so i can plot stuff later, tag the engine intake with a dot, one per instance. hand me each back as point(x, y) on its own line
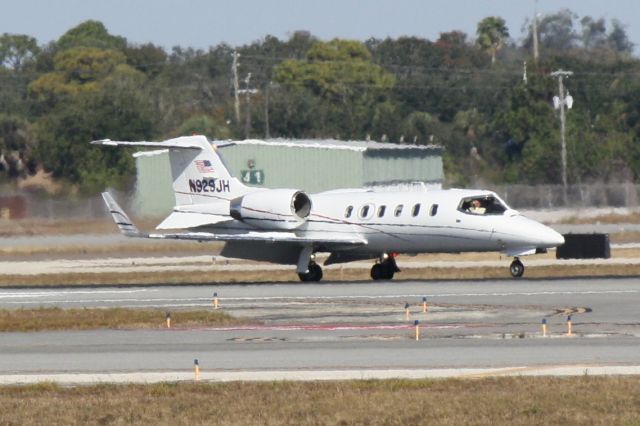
point(282, 209)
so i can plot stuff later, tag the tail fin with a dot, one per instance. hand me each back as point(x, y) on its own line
point(198, 172)
point(120, 217)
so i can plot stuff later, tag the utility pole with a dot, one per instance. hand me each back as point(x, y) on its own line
point(234, 69)
point(535, 32)
point(266, 110)
point(247, 92)
point(559, 102)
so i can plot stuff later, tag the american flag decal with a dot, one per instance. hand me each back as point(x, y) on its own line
point(204, 166)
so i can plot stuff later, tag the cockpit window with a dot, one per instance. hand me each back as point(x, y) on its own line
point(485, 205)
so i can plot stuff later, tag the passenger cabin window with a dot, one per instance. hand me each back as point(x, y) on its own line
point(398, 211)
point(433, 210)
point(366, 211)
point(416, 210)
point(381, 210)
point(486, 205)
point(348, 211)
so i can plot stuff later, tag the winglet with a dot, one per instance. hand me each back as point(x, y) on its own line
point(120, 217)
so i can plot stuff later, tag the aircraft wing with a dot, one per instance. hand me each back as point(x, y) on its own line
point(182, 220)
point(272, 237)
point(130, 230)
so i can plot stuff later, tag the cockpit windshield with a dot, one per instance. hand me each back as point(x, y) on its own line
point(482, 205)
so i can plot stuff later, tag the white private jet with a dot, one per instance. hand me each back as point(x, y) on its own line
point(288, 226)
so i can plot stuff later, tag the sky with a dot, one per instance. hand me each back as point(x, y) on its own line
point(204, 23)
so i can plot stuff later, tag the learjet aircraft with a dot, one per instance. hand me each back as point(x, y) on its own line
point(289, 226)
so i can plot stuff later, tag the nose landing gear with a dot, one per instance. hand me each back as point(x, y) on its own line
point(385, 268)
point(516, 268)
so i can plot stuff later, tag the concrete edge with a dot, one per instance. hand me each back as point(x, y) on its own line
point(315, 375)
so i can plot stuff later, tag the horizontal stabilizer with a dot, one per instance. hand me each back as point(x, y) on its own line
point(179, 143)
point(120, 217)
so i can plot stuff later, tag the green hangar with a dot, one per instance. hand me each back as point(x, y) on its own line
point(309, 165)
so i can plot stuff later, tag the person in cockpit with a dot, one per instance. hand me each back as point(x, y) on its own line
point(476, 207)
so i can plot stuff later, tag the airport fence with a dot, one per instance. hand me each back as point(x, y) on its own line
point(25, 205)
point(21, 205)
point(584, 195)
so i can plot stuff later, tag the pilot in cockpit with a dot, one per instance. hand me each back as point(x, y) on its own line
point(476, 207)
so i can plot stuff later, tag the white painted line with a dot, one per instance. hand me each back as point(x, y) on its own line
point(207, 263)
point(49, 293)
point(284, 300)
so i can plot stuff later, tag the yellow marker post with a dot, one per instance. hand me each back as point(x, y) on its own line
point(569, 326)
point(168, 319)
point(417, 324)
point(424, 305)
point(407, 314)
point(196, 368)
point(216, 305)
point(544, 327)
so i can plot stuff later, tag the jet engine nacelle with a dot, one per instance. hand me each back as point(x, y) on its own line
point(282, 209)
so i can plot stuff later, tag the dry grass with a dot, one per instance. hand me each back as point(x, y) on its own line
point(116, 318)
point(625, 237)
point(38, 227)
point(605, 218)
point(134, 248)
point(513, 401)
point(289, 275)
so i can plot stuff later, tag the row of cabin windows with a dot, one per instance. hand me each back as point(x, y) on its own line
point(366, 211)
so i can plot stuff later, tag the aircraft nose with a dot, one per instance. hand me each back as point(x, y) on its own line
point(551, 238)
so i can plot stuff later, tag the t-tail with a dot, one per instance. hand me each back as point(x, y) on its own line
point(198, 172)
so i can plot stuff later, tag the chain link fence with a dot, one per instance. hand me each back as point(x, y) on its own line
point(552, 196)
point(21, 205)
point(17, 205)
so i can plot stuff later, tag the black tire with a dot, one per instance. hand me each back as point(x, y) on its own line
point(377, 272)
point(382, 271)
point(516, 269)
point(316, 271)
point(387, 271)
point(314, 274)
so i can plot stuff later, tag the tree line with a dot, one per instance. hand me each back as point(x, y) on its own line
point(485, 98)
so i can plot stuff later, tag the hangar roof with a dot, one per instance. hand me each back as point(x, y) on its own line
point(336, 144)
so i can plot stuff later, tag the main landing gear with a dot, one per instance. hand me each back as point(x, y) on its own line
point(385, 268)
point(314, 273)
point(516, 268)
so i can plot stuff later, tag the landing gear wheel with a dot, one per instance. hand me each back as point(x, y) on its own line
point(376, 272)
point(384, 270)
point(314, 274)
point(516, 268)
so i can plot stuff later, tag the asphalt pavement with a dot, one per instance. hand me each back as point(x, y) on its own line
point(353, 328)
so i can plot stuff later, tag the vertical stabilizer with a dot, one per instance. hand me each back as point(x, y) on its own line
point(198, 172)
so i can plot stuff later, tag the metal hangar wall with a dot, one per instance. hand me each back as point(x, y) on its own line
point(309, 165)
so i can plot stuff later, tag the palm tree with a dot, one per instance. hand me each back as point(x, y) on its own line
point(492, 31)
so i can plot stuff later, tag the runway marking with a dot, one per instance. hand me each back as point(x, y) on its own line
point(319, 374)
point(320, 327)
point(45, 293)
point(284, 299)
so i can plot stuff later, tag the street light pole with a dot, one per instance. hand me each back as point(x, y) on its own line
point(559, 102)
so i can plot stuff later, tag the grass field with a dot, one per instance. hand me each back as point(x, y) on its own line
point(41, 319)
point(513, 401)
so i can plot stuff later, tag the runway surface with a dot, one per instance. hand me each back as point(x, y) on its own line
point(320, 330)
